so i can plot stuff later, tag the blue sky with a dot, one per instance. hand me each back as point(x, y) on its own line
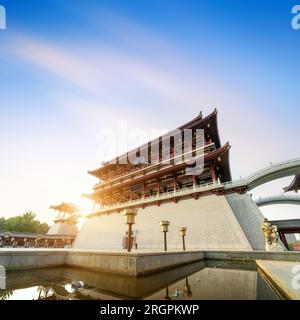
point(71, 68)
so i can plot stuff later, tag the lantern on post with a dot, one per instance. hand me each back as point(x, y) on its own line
point(164, 227)
point(130, 214)
point(182, 232)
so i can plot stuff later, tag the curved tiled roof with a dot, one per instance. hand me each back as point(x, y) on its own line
point(295, 185)
point(197, 123)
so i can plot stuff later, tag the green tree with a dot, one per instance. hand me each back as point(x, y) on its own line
point(5, 294)
point(25, 223)
point(2, 223)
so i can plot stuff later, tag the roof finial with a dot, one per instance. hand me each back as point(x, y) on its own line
point(201, 114)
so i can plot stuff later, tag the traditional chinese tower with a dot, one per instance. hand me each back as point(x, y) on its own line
point(120, 183)
point(164, 191)
point(63, 226)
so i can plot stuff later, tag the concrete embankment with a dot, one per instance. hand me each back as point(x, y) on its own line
point(252, 255)
point(133, 264)
point(22, 259)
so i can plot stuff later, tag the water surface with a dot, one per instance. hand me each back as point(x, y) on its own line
point(203, 280)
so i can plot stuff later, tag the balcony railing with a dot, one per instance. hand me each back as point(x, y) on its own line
point(158, 197)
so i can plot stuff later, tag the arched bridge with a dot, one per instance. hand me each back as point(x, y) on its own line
point(280, 199)
point(273, 172)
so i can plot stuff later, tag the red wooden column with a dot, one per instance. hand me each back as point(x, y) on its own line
point(194, 180)
point(208, 141)
point(175, 183)
point(213, 173)
point(144, 190)
point(283, 239)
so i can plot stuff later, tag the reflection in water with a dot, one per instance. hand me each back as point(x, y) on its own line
point(214, 283)
point(187, 288)
point(167, 297)
point(198, 281)
point(63, 291)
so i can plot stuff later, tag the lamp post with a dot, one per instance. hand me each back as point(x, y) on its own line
point(130, 220)
point(164, 225)
point(182, 232)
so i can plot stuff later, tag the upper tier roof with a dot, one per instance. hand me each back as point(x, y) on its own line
point(197, 123)
point(295, 185)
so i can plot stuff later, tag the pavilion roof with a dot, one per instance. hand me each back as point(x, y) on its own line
point(295, 184)
point(65, 207)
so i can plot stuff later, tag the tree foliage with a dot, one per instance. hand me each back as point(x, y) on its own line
point(25, 223)
point(5, 294)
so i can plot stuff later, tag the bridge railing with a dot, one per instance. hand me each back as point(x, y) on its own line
point(284, 199)
point(263, 171)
